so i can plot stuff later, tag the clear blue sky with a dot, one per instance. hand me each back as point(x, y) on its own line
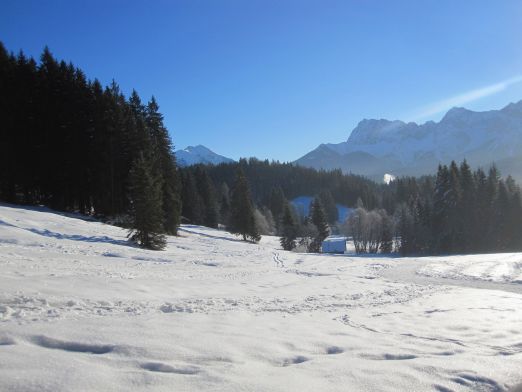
point(274, 78)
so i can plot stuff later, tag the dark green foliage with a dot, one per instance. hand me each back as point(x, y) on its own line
point(193, 208)
point(242, 220)
point(69, 143)
point(267, 177)
point(199, 197)
point(318, 219)
point(455, 211)
point(224, 205)
point(277, 202)
point(469, 212)
point(165, 164)
point(328, 203)
point(207, 194)
point(288, 229)
point(146, 206)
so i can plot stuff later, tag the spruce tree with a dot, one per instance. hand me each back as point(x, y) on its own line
point(193, 209)
point(288, 229)
point(207, 193)
point(405, 229)
point(441, 229)
point(224, 207)
point(330, 209)
point(146, 206)
point(165, 164)
point(453, 202)
point(467, 208)
point(277, 202)
point(319, 220)
point(242, 220)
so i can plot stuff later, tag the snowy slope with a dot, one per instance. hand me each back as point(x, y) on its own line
point(81, 310)
point(199, 154)
point(381, 146)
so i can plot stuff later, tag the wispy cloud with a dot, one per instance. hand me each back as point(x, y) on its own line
point(461, 99)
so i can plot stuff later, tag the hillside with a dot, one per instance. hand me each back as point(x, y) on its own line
point(81, 310)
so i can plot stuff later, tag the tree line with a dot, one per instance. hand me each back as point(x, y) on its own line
point(457, 211)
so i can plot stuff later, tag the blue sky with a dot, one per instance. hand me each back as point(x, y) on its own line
point(273, 79)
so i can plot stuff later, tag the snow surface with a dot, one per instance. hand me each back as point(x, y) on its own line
point(504, 268)
point(81, 310)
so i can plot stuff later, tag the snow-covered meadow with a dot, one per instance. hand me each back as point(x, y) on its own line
point(81, 310)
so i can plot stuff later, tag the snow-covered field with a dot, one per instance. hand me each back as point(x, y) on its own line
point(492, 268)
point(81, 310)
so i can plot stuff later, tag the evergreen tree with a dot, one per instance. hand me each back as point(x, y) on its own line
point(242, 220)
point(224, 208)
point(453, 200)
point(405, 230)
point(328, 204)
point(277, 202)
point(288, 229)
point(193, 209)
point(441, 228)
point(467, 208)
point(165, 164)
point(146, 210)
point(207, 194)
point(318, 219)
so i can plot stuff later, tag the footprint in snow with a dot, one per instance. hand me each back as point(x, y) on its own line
point(6, 341)
point(295, 360)
point(334, 350)
point(388, 357)
point(77, 347)
point(164, 368)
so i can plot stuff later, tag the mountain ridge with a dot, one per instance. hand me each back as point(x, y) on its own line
point(379, 146)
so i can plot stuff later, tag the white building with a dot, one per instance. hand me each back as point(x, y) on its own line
point(334, 244)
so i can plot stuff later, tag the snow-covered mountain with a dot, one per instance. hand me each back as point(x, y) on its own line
point(199, 154)
point(376, 147)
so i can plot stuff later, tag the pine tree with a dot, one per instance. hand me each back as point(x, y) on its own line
point(288, 229)
point(330, 209)
point(277, 202)
point(453, 201)
point(207, 193)
point(193, 209)
point(242, 220)
point(502, 211)
point(146, 210)
point(224, 208)
point(467, 208)
point(318, 218)
point(441, 233)
point(406, 230)
point(165, 164)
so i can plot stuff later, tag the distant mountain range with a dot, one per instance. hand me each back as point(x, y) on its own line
point(199, 154)
point(379, 147)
